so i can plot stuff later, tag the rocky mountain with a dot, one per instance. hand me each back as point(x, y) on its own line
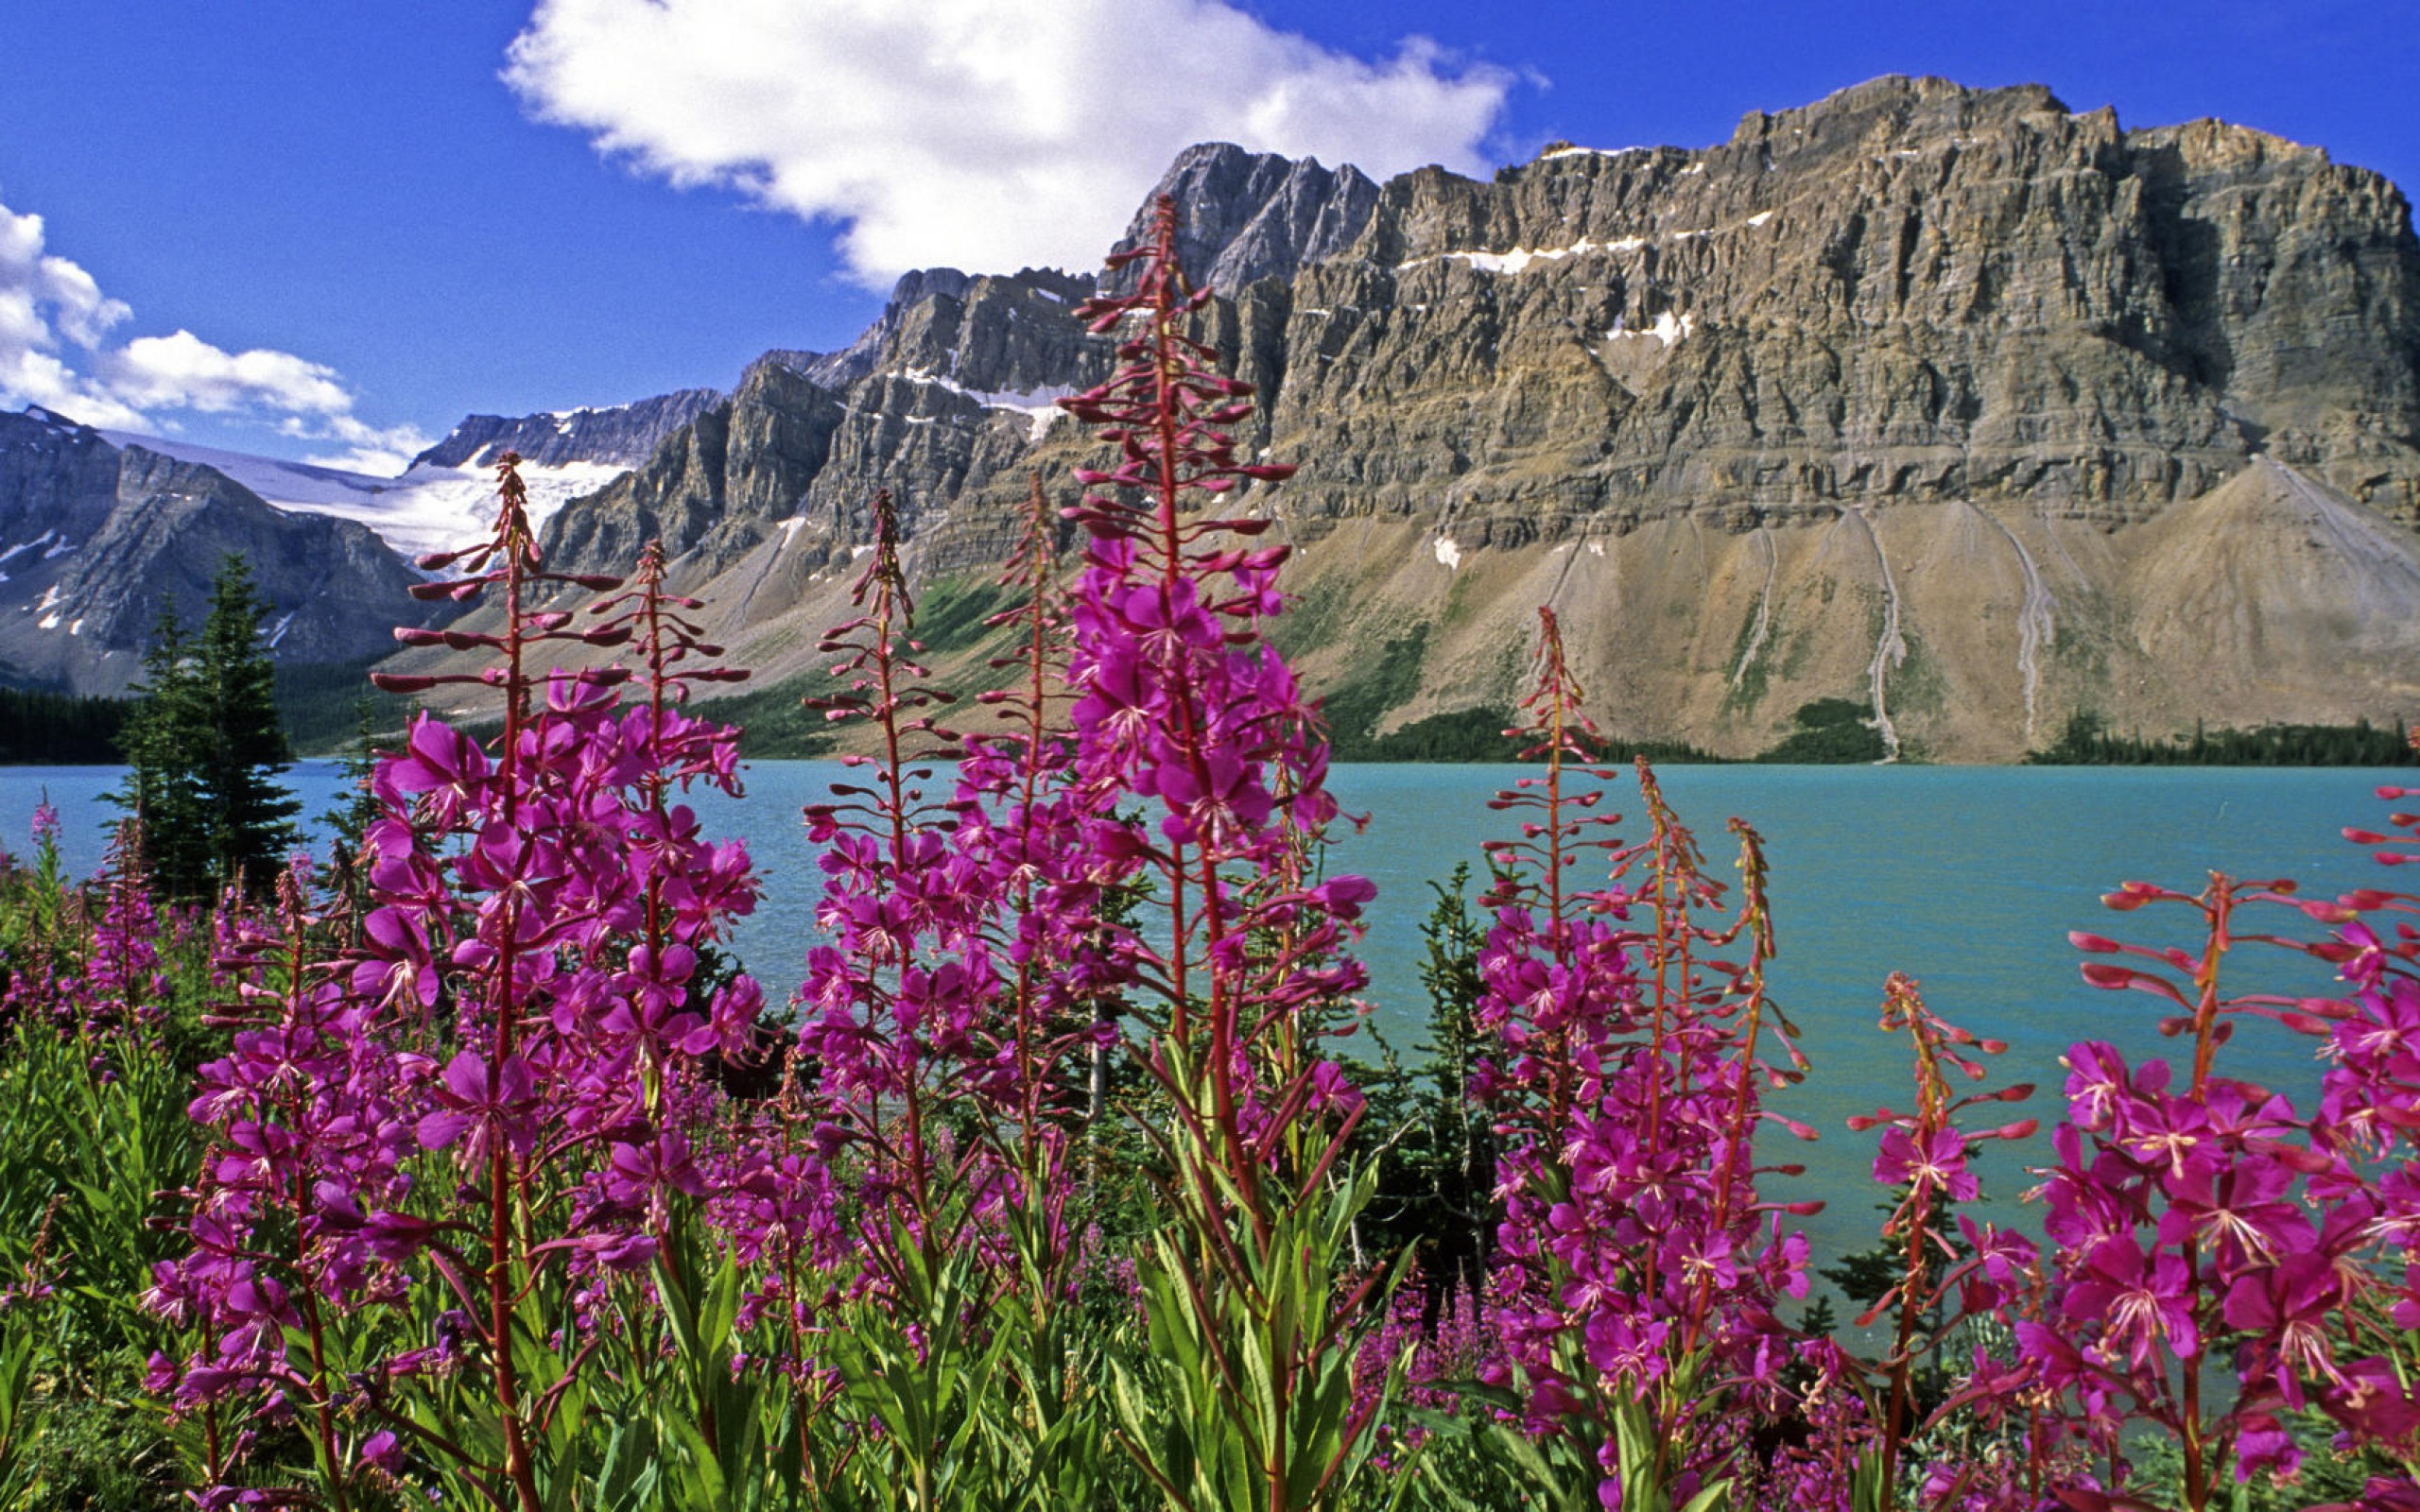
point(94, 536)
point(1956, 402)
point(447, 495)
point(621, 435)
point(1245, 216)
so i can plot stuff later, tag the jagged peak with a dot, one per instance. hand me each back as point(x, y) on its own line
point(52, 421)
point(620, 433)
point(1245, 215)
point(910, 308)
point(1921, 103)
point(919, 284)
point(2212, 143)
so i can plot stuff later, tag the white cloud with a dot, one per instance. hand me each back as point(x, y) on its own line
point(368, 448)
point(79, 311)
point(183, 372)
point(985, 134)
point(42, 298)
point(54, 327)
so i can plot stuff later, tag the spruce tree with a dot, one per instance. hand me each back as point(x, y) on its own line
point(205, 748)
point(158, 740)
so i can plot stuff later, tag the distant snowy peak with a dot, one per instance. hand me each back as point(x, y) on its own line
point(622, 435)
point(94, 535)
point(431, 507)
point(443, 509)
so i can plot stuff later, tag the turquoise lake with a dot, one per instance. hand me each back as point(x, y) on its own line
point(1966, 878)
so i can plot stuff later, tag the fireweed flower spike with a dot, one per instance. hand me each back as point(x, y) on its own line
point(1923, 1154)
point(900, 1016)
point(1638, 1263)
point(479, 1114)
point(2195, 1212)
point(1182, 706)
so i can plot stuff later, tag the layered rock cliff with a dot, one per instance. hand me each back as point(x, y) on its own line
point(94, 538)
point(1952, 401)
point(620, 435)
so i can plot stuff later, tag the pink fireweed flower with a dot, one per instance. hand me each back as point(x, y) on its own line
point(2140, 1300)
point(1934, 1161)
point(2286, 1308)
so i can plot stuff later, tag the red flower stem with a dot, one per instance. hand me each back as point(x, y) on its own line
point(301, 1193)
point(1036, 730)
point(1758, 926)
point(2198, 1451)
point(1558, 1063)
point(504, 1184)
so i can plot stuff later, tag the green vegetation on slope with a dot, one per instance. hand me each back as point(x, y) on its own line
point(320, 704)
point(1354, 709)
point(775, 723)
point(1828, 732)
point(950, 614)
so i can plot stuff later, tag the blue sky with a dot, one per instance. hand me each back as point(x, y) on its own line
point(329, 229)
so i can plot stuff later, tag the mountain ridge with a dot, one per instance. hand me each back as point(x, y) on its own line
point(1887, 396)
point(95, 536)
point(1921, 395)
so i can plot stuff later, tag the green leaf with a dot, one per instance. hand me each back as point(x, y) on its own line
point(1714, 1498)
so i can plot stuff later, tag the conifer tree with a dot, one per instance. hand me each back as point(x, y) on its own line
point(205, 748)
point(157, 739)
point(249, 812)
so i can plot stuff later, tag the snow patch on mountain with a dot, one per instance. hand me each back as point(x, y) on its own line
point(1040, 406)
point(428, 509)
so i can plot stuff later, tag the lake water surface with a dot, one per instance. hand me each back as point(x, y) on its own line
point(1966, 878)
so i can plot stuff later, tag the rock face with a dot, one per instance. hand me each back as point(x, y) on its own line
point(94, 537)
point(1928, 396)
point(943, 400)
point(624, 435)
point(1244, 216)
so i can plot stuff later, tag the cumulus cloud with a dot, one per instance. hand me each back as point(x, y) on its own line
point(54, 351)
point(183, 372)
point(984, 134)
point(46, 301)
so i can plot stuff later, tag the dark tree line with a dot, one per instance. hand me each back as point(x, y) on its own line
point(2088, 741)
point(59, 728)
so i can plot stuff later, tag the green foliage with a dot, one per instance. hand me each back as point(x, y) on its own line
point(1461, 735)
point(98, 1444)
point(920, 1366)
point(2088, 741)
point(1436, 1152)
point(2328, 1475)
point(1830, 732)
point(950, 615)
point(59, 729)
point(20, 1424)
point(321, 703)
point(353, 815)
point(1245, 1402)
point(95, 1133)
point(705, 1424)
point(161, 788)
point(1052, 1422)
point(204, 747)
point(1355, 707)
point(773, 724)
